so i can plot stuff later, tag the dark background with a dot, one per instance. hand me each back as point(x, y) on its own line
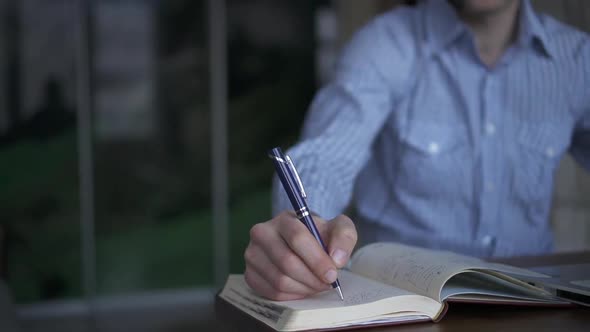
point(151, 134)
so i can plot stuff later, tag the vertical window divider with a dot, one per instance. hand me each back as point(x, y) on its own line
point(219, 136)
point(82, 12)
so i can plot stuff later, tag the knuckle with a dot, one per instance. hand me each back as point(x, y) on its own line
point(345, 219)
point(345, 228)
point(281, 283)
point(349, 234)
point(322, 265)
point(249, 278)
point(319, 221)
point(299, 240)
point(257, 232)
point(282, 220)
point(318, 285)
point(276, 295)
point(287, 260)
point(249, 255)
point(286, 215)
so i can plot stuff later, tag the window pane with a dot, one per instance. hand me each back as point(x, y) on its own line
point(39, 214)
point(272, 81)
point(152, 145)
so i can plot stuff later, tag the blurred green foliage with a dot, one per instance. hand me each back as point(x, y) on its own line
point(45, 258)
point(152, 196)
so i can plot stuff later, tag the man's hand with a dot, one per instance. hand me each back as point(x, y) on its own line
point(285, 262)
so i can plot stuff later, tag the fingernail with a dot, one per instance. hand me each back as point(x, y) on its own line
point(330, 276)
point(339, 256)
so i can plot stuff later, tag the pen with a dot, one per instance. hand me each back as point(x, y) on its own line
point(294, 188)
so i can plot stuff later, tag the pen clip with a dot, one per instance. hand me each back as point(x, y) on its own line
point(296, 175)
point(277, 158)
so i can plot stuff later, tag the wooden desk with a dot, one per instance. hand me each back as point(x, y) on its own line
point(465, 317)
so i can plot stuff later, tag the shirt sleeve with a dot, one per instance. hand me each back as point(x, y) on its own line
point(346, 116)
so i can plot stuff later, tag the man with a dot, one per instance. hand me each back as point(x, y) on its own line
point(443, 127)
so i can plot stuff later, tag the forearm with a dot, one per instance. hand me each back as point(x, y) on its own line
point(373, 74)
point(336, 144)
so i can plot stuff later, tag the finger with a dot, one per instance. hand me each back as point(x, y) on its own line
point(342, 238)
point(304, 245)
point(257, 259)
point(264, 289)
point(281, 256)
point(320, 223)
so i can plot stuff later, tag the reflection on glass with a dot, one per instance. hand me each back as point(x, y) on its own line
point(152, 146)
point(39, 213)
point(152, 137)
point(272, 81)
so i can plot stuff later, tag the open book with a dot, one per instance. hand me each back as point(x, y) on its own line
point(389, 283)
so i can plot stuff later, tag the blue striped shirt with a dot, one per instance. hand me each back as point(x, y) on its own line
point(432, 147)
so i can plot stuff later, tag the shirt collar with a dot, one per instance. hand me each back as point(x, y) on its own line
point(532, 32)
point(443, 26)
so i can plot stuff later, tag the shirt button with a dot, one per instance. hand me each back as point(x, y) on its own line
point(550, 152)
point(488, 240)
point(490, 129)
point(433, 147)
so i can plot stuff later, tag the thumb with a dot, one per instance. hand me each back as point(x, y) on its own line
point(342, 238)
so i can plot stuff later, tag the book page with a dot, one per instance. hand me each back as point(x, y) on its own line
point(366, 302)
point(419, 270)
point(356, 290)
point(486, 285)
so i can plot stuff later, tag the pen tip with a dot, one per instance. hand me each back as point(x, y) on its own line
point(340, 293)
